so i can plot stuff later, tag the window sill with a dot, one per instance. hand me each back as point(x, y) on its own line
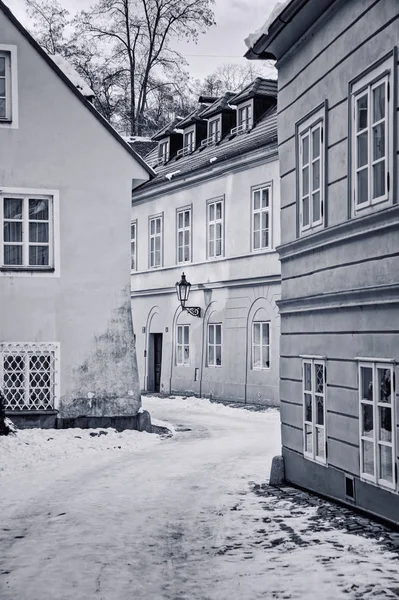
point(10, 269)
point(361, 211)
point(261, 369)
point(322, 463)
point(213, 366)
point(380, 486)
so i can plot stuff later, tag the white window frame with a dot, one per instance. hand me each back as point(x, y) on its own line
point(374, 365)
point(153, 236)
point(305, 131)
point(183, 360)
point(189, 145)
point(163, 152)
point(261, 346)
point(215, 129)
point(53, 268)
point(246, 111)
point(212, 226)
point(261, 211)
point(27, 350)
point(313, 425)
point(181, 232)
point(133, 245)
point(214, 345)
point(10, 121)
point(363, 86)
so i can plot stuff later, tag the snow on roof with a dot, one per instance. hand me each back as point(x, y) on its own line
point(72, 75)
point(252, 38)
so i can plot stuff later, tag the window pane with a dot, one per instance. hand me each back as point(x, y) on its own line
point(180, 238)
point(180, 254)
point(265, 198)
point(2, 66)
point(305, 181)
point(211, 212)
point(308, 439)
point(211, 334)
point(13, 255)
point(180, 218)
point(186, 335)
point(320, 446)
point(362, 149)
point(218, 350)
point(384, 385)
point(257, 333)
point(379, 141)
point(367, 420)
point(265, 220)
point(187, 218)
point(218, 210)
point(362, 106)
point(379, 179)
point(366, 382)
point(2, 107)
point(211, 356)
point(158, 226)
point(157, 243)
point(179, 335)
point(256, 221)
point(133, 232)
point(307, 374)
point(218, 334)
point(265, 334)
point(319, 378)
point(379, 103)
point(265, 239)
point(316, 175)
point(38, 255)
point(385, 418)
point(265, 357)
point(256, 200)
point(256, 357)
point(152, 227)
point(256, 240)
point(305, 211)
point(308, 407)
point(186, 354)
point(218, 247)
point(305, 150)
point(319, 410)
point(13, 231)
point(157, 258)
point(368, 457)
point(385, 460)
point(362, 186)
point(38, 210)
point(132, 254)
point(38, 232)
point(218, 231)
point(316, 206)
point(187, 237)
point(211, 248)
point(2, 87)
point(186, 253)
point(179, 355)
point(316, 143)
point(12, 208)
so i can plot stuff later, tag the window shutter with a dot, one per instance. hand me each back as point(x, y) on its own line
point(388, 91)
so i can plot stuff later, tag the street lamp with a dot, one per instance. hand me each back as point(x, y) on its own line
point(183, 291)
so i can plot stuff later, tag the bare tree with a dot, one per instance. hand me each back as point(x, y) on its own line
point(50, 21)
point(138, 35)
point(234, 77)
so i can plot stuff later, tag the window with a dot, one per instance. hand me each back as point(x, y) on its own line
point(28, 372)
point(261, 219)
point(189, 141)
point(372, 127)
point(184, 236)
point(133, 246)
point(214, 345)
point(214, 129)
point(260, 345)
point(377, 419)
point(26, 232)
point(156, 241)
point(245, 117)
point(215, 229)
point(311, 172)
point(163, 152)
point(183, 345)
point(314, 409)
point(8, 86)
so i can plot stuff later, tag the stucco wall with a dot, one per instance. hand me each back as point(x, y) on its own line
point(61, 146)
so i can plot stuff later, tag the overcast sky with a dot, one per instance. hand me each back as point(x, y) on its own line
point(222, 44)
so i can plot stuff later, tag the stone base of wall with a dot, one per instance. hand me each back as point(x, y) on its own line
point(50, 420)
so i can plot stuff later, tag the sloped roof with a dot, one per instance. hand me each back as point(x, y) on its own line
point(73, 75)
point(168, 129)
point(73, 87)
point(221, 103)
point(263, 134)
point(194, 116)
point(258, 87)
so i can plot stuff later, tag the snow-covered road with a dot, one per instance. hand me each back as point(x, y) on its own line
point(175, 520)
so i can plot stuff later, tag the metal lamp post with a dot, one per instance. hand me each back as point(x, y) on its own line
point(183, 291)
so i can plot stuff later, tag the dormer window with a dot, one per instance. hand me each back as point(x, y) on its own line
point(163, 152)
point(189, 141)
point(214, 130)
point(245, 117)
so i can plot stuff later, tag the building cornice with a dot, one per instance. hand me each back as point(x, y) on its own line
point(358, 297)
point(251, 159)
point(344, 233)
point(232, 283)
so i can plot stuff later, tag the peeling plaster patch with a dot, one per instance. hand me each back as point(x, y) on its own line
point(107, 383)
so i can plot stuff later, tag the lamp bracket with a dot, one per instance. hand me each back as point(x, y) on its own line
point(194, 311)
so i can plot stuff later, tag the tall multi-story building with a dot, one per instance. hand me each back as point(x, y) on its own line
point(212, 212)
point(338, 149)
